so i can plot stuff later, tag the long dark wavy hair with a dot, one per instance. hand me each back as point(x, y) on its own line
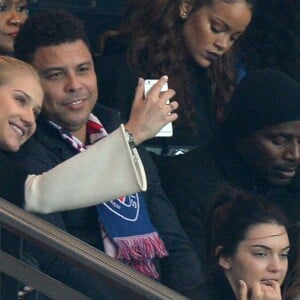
point(156, 47)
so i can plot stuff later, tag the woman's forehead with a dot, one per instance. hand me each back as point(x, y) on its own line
point(265, 231)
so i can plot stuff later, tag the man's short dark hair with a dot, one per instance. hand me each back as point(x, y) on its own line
point(48, 28)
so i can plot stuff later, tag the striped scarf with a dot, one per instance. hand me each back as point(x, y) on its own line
point(126, 229)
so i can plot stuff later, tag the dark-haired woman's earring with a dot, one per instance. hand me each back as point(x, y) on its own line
point(184, 15)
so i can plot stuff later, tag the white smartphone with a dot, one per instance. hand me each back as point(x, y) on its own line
point(167, 130)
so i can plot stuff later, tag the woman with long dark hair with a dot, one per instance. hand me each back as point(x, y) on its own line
point(190, 41)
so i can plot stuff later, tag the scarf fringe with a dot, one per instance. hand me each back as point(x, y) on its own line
point(140, 248)
point(138, 252)
point(146, 267)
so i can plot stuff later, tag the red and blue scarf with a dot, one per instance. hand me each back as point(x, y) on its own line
point(124, 222)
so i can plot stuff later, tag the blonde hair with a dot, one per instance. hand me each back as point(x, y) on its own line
point(10, 67)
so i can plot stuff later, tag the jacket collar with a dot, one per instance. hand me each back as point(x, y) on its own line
point(53, 140)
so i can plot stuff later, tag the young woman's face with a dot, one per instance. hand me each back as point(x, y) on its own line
point(21, 101)
point(261, 257)
point(210, 31)
point(13, 14)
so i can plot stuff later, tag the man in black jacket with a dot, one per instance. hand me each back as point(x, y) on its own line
point(256, 149)
point(56, 45)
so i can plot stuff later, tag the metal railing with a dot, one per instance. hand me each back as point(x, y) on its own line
point(111, 271)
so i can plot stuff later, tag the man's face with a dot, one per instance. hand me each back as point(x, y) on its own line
point(69, 82)
point(274, 152)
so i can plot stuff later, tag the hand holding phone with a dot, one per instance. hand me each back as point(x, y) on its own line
point(167, 130)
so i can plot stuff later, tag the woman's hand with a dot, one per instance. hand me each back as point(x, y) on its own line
point(148, 115)
point(260, 291)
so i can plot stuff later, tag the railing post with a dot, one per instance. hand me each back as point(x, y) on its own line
point(10, 243)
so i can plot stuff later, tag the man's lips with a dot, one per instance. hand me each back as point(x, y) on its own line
point(287, 172)
point(75, 102)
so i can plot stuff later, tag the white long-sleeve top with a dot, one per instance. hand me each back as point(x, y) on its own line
point(106, 170)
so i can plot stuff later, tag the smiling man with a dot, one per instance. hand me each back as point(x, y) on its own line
point(141, 230)
point(70, 84)
point(256, 149)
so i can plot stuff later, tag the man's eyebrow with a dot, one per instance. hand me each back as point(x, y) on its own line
point(50, 69)
point(85, 63)
point(88, 62)
point(279, 133)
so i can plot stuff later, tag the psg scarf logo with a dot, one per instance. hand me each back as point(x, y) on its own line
point(126, 207)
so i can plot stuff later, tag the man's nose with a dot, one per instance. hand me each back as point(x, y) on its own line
point(293, 152)
point(73, 83)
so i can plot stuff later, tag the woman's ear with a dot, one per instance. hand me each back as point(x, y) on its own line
point(185, 9)
point(223, 261)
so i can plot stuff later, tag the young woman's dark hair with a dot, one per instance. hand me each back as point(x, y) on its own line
point(292, 289)
point(247, 246)
point(232, 213)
